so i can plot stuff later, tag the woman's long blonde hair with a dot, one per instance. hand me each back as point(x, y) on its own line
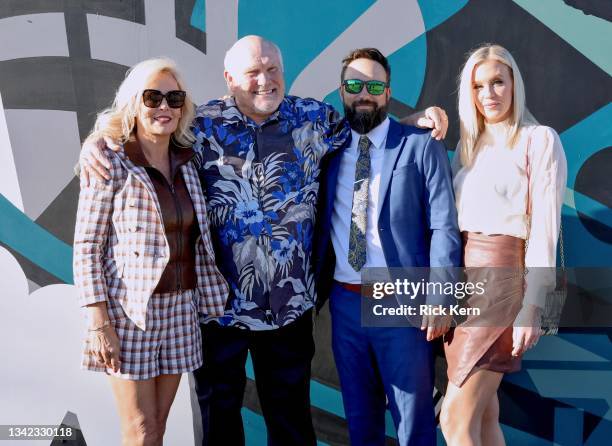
point(117, 121)
point(471, 121)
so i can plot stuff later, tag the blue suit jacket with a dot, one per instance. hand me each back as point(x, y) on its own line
point(418, 219)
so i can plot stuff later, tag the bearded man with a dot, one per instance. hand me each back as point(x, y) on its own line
point(386, 201)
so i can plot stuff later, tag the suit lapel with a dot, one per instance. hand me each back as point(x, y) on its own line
point(393, 147)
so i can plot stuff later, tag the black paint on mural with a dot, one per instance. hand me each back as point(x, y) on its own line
point(132, 10)
point(594, 180)
point(184, 31)
point(562, 85)
point(597, 8)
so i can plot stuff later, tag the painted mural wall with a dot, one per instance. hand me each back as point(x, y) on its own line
point(61, 61)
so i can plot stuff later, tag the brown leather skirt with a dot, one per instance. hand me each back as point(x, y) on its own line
point(485, 340)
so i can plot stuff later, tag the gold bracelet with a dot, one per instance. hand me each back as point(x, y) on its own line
point(105, 324)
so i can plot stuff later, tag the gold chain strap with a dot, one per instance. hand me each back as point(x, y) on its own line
point(561, 250)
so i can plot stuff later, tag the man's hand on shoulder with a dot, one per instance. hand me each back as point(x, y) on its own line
point(431, 118)
point(93, 161)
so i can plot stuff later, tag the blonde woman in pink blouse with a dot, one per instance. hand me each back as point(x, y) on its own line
point(509, 180)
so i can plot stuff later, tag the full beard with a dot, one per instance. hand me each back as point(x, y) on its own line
point(364, 121)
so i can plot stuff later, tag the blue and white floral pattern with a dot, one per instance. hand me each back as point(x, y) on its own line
point(261, 184)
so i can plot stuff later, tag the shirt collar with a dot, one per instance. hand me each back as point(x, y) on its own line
point(376, 136)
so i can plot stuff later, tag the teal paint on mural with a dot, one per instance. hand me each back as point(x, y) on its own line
point(302, 32)
point(569, 425)
point(326, 398)
point(580, 388)
point(437, 11)
point(330, 400)
point(408, 66)
point(255, 429)
point(580, 142)
point(588, 207)
point(585, 138)
point(250, 373)
point(389, 425)
point(322, 396)
point(574, 352)
point(334, 99)
point(439, 436)
point(582, 248)
point(600, 435)
point(598, 344)
point(597, 406)
point(593, 209)
point(558, 348)
point(515, 436)
point(590, 35)
point(521, 379)
point(254, 424)
point(198, 15)
point(33, 242)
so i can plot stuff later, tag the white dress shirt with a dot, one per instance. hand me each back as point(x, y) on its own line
point(341, 216)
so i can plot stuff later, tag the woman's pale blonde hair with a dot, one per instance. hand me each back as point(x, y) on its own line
point(471, 121)
point(118, 121)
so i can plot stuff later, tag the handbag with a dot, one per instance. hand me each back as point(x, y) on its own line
point(555, 299)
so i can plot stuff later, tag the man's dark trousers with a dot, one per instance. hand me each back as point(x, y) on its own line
point(281, 363)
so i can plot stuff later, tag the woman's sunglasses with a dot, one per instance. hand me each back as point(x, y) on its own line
point(354, 86)
point(154, 98)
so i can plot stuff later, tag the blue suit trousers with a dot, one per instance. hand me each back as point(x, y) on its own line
point(374, 363)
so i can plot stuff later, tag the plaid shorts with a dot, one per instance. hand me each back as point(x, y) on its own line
point(171, 344)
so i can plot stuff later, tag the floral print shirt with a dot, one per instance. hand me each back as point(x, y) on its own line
point(261, 184)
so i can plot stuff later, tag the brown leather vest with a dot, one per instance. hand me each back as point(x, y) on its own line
point(178, 216)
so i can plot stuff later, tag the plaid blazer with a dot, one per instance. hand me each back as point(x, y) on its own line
point(120, 247)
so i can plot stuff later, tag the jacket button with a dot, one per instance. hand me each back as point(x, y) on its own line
point(136, 253)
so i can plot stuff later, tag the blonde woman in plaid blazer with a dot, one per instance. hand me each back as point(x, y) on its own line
point(143, 258)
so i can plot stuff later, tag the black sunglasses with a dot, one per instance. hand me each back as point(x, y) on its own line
point(354, 86)
point(154, 98)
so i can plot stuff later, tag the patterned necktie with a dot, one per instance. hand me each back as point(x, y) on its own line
point(359, 212)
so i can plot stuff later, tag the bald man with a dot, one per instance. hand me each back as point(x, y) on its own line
point(258, 155)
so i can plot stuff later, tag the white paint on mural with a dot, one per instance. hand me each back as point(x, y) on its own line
point(127, 43)
point(44, 158)
point(115, 40)
point(221, 29)
point(40, 340)
point(9, 183)
point(33, 35)
point(402, 17)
